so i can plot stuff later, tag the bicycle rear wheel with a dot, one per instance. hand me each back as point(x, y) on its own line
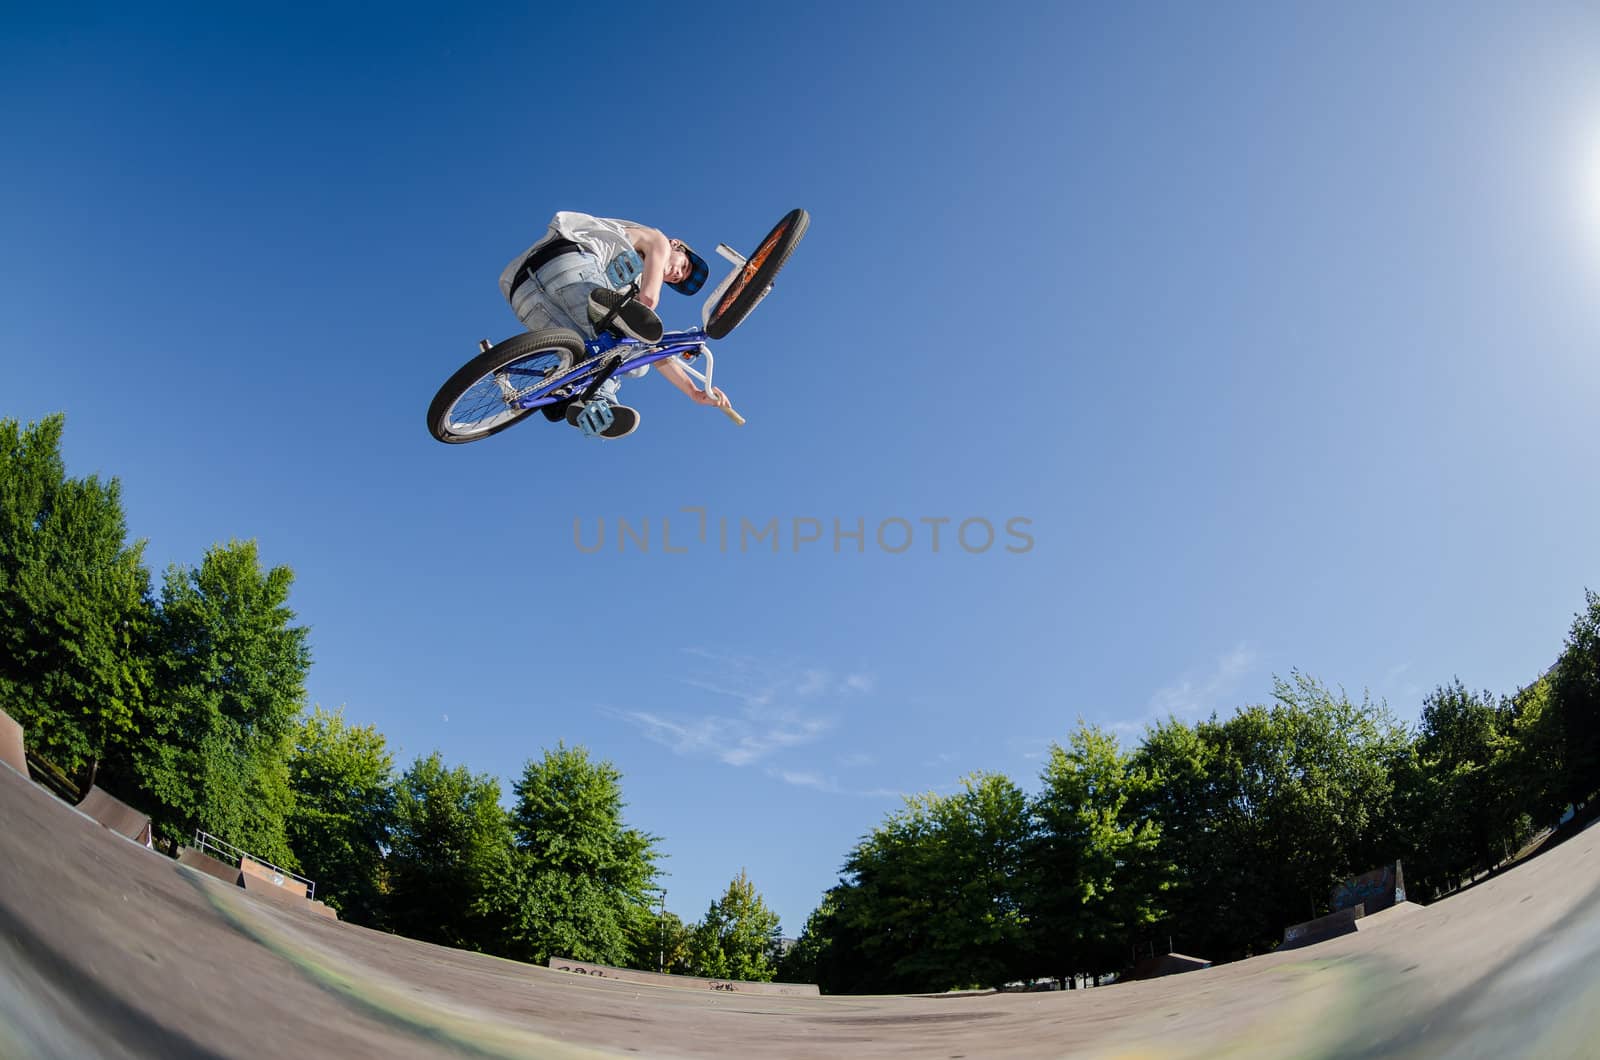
point(485, 396)
point(750, 285)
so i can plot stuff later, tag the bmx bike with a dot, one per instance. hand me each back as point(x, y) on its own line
point(506, 381)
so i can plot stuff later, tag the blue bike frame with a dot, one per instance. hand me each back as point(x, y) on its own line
point(673, 343)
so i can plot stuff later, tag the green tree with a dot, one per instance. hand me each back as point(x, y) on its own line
point(449, 852)
point(75, 608)
point(1262, 814)
point(1469, 815)
point(1338, 758)
point(230, 683)
point(931, 898)
point(809, 960)
point(1536, 765)
point(985, 828)
point(1095, 873)
point(343, 780)
point(1203, 831)
point(738, 938)
point(582, 879)
point(1575, 698)
point(658, 941)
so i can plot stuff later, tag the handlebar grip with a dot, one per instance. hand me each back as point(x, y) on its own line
point(727, 410)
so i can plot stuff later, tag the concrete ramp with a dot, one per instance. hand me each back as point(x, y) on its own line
point(1376, 890)
point(690, 982)
point(255, 876)
point(1389, 917)
point(209, 865)
point(105, 951)
point(286, 897)
point(116, 815)
point(1322, 928)
point(279, 888)
point(258, 880)
point(1165, 964)
point(11, 752)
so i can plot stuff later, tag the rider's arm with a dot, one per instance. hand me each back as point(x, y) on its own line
point(655, 248)
point(674, 373)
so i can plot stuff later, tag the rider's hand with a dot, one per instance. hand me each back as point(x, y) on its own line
point(716, 399)
point(645, 300)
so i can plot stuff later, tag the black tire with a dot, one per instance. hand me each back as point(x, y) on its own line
point(759, 270)
point(475, 402)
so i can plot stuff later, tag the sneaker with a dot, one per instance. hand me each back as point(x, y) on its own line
point(635, 319)
point(624, 419)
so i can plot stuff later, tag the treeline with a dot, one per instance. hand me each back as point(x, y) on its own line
point(189, 703)
point(1215, 835)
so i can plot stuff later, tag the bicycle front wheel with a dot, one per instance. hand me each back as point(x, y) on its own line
point(750, 285)
point(486, 396)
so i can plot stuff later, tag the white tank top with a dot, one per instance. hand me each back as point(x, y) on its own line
point(603, 237)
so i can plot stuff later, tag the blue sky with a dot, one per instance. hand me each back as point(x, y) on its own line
point(1276, 326)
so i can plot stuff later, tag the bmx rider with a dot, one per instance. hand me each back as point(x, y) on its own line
point(571, 278)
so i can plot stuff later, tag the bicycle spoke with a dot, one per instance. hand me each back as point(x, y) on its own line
point(494, 399)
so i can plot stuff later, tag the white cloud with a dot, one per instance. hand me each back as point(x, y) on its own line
point(753, 699)
point(775, 708)
point(1398, 683)
point(1194, 694)
point(811, 682)
point(757, 683)
point(859, 682)
point(734, 741)
point(805, 778)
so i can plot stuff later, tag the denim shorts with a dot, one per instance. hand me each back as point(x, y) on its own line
point(558, 297)
point(558, 294)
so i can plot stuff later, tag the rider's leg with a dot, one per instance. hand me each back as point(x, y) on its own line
point(633, 318)
point(559, 298)
point(539, 305)
point(572, 292)
point(624, 419)
point(608, 390)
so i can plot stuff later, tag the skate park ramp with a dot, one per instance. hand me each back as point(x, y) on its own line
point(11, 750)
point(111, 950)
point(116, 815)
point(197, 859)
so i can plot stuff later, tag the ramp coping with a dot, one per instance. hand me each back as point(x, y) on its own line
point(205, 842)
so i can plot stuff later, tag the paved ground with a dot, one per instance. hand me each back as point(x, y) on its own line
point(108, 949)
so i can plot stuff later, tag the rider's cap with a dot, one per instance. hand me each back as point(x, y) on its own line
point(698, 271)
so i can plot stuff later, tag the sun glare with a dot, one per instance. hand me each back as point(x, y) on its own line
point(1591, 185)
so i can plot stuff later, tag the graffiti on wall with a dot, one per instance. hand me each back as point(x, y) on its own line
point(1378, 889)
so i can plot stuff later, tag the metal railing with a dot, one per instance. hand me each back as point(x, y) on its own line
point(207, 843)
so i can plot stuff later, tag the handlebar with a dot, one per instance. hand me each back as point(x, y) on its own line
point(705, 382)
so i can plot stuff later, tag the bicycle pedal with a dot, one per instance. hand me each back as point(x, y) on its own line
point(592, 418)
